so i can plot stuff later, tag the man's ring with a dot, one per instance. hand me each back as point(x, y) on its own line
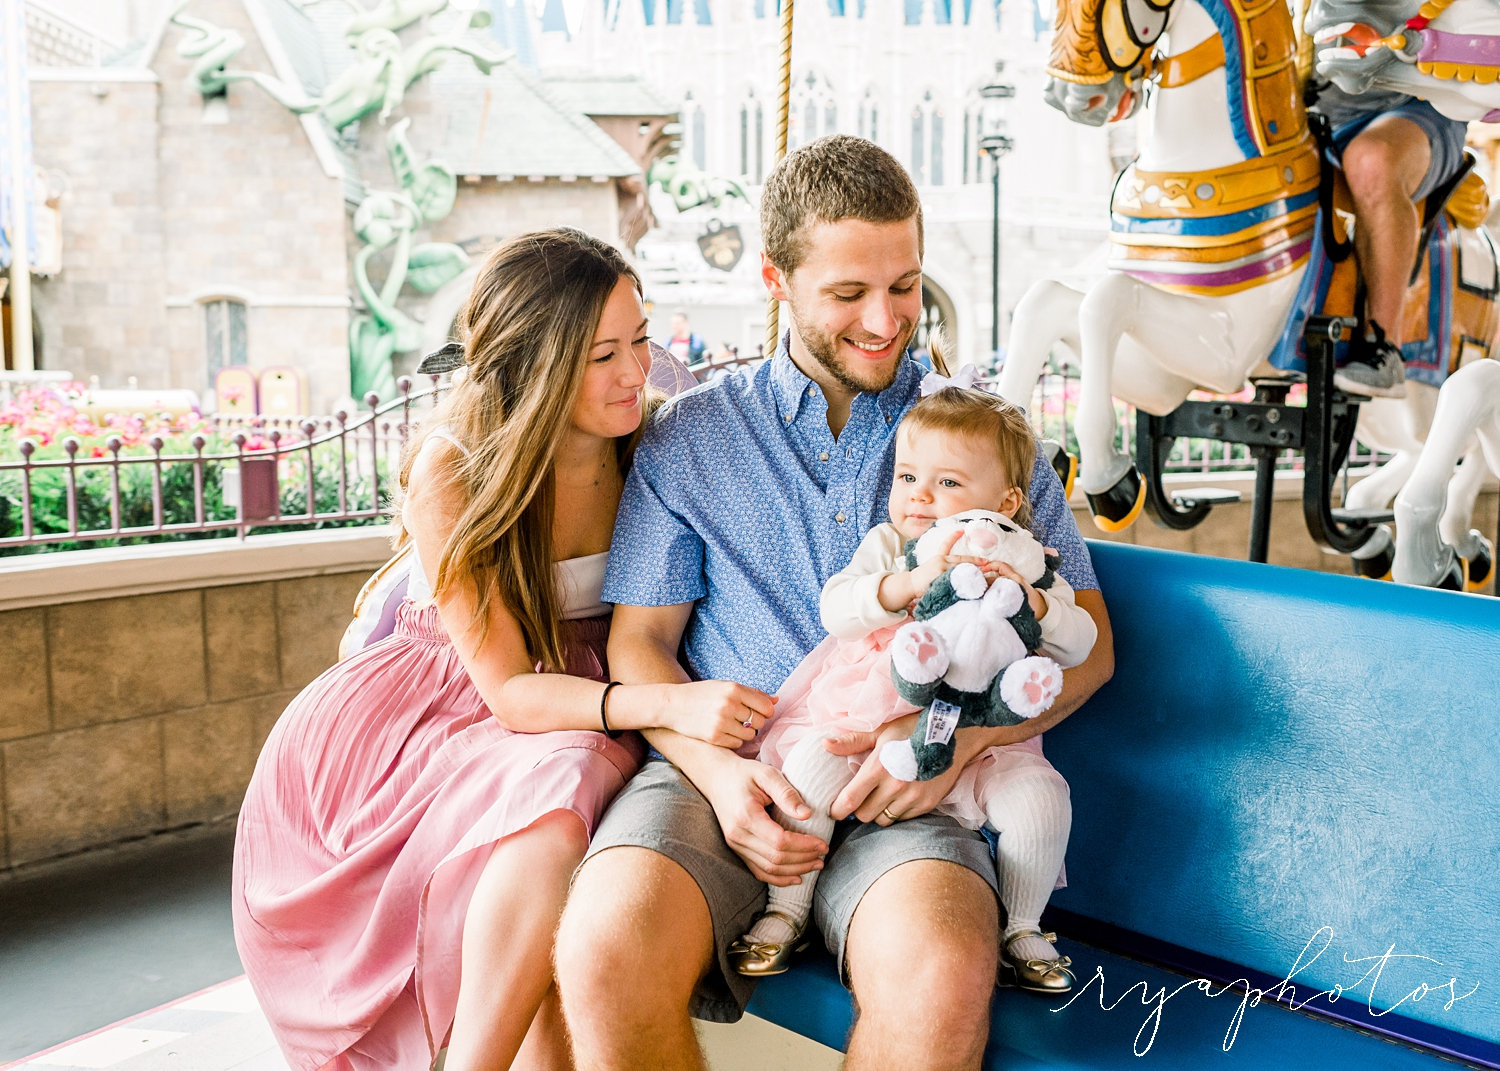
point(893, 817)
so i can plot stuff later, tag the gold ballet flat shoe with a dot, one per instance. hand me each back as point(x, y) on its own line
point(1049, 976)
point(761, 959)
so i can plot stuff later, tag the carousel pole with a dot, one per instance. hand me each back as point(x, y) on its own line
point(783, 107)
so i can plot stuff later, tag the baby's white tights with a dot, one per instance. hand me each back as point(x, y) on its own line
point(1031, 810)
point(819, 777)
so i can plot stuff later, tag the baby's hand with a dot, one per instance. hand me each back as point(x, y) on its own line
point(1033, 596)
point(923, 575)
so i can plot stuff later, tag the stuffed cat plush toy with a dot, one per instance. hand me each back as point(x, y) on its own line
point(966, 657)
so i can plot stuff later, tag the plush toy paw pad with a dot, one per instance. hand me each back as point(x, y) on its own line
point(1005, 596)
point(919, 653)
point(899, 760)
point(968, 580)
point(1030, 685)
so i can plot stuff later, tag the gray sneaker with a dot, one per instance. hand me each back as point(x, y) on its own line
point(1374, 369)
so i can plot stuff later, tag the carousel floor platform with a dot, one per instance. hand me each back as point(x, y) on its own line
point(124, 959)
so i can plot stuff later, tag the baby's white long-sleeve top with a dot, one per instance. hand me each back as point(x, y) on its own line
point(850, 605)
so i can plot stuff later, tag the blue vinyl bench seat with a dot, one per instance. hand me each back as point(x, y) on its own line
point(1284, 761)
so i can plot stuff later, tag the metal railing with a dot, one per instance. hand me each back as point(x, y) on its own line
point(280, 473)
point(273, 473)
point(1055, 400)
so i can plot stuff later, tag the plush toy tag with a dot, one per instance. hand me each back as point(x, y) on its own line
point(942, 720)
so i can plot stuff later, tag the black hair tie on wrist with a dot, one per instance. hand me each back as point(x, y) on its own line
point(603, 717)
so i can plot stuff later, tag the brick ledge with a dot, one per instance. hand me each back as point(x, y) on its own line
point(114, 572)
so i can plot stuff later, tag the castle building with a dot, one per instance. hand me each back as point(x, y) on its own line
point(905, 73)
point(197, 232)
point(194, 232)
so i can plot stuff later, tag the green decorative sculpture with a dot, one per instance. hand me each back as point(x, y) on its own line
point(376, 81)
point(211, 50)
point(393, 15)
point(386, 221)
point(689, 187)
point(384, 71)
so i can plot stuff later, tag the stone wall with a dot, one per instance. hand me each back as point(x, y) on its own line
point(173, 201)
point(102, 314)
point(142, 682)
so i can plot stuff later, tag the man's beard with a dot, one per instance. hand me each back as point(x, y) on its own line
point(825, 351)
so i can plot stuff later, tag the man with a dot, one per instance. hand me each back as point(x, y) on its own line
point(684, 345)
point(1394, 151)
point(744, 497)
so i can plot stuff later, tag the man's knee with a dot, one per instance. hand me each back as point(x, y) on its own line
point(928, 928)
point(1387, 160)
point(635, 933)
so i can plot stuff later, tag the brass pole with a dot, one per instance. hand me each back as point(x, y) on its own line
point(783, 111)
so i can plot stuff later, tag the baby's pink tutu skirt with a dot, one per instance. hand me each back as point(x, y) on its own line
point(845, 686)
point(372, 811)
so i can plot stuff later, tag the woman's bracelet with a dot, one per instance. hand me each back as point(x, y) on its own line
point(603, 717)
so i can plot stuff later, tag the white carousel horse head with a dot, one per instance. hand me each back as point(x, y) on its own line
point(1101, 53)
point(1445, 51)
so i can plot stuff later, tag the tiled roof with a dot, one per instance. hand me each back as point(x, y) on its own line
point(509, 123)
point(608, 94)
point(506, 123)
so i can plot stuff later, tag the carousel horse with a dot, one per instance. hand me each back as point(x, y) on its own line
point(1213, 229)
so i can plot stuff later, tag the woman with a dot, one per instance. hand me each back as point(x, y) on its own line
point(416, 814)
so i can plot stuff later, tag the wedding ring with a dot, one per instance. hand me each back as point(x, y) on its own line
point(893, 817)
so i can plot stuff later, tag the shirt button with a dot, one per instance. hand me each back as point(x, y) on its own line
point(839, 516)
point(823, 456)
point(811, 391)
point(787, 418)
point(887, 420)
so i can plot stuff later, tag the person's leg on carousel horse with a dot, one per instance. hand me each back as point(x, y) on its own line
point(1394, 161)
point(1384, 164)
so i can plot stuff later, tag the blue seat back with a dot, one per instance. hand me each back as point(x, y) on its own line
point(1286, 760)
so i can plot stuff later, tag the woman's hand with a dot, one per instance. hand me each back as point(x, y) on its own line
point(717, 712)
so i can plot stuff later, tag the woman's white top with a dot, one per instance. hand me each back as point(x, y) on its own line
point(579, 580)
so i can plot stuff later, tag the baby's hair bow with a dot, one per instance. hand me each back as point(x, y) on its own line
point(446, 359)
point(963, 379)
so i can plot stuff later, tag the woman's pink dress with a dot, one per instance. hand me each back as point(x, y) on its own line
point(845, 686)
point(372, 811)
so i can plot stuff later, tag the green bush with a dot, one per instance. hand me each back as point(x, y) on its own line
point(49, 498)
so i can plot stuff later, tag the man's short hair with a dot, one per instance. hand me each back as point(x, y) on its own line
point(833, 178)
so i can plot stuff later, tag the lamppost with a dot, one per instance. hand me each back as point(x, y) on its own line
point(994, 143)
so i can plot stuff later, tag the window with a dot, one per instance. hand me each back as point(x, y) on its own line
point(224, 335)
point(694, 132)
point(927, 142)
point(869, 117)
point(813, 113)
point(974, 166)
point(752, 141)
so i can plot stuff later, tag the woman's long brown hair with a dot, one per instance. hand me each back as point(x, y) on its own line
point(527, 330)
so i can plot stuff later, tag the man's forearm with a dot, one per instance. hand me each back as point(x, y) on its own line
point(641, 659)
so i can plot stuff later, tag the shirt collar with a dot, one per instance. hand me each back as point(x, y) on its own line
point(789, 385)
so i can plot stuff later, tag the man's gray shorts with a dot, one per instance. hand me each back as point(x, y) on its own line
point(1445, 138)
point(661, 810)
